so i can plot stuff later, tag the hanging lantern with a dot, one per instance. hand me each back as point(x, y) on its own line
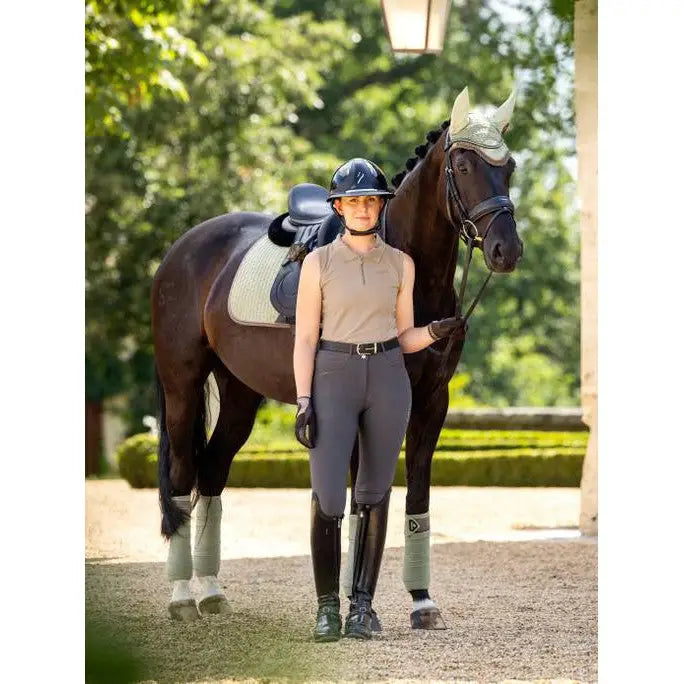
point(416, 25)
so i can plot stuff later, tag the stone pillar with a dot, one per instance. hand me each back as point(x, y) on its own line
point(586, 110)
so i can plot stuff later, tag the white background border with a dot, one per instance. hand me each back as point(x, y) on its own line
point(641, 379)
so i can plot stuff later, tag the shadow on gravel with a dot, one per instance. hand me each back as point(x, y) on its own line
point(517, 610)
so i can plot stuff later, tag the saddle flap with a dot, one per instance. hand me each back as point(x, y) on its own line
point(283, 293)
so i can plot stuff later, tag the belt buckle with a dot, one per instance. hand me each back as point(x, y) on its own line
point(363, 353)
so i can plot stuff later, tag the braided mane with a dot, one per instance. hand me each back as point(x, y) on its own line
point(421, 151)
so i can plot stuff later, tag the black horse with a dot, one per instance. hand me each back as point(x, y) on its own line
point(194, 336)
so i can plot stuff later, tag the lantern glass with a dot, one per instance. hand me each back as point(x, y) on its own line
point(416, 25)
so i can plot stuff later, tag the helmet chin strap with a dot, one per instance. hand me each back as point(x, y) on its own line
point(370, 231)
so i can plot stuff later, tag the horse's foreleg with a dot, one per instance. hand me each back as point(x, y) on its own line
point(239, 405)
point(425, 424)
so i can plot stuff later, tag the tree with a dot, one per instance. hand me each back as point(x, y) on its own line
point(133, 49)
point(175, 163)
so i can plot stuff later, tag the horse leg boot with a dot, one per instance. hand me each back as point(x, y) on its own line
point(179, 568)
point(370, 544)
point(325, 554)
point(207, 555)
point(425, 614)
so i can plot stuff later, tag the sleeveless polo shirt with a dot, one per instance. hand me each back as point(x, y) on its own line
point(359, 292)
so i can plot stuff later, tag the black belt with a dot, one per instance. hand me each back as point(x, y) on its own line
point(363, 349)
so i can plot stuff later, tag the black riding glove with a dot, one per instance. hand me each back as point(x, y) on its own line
point(306, 418)
point(455, 326)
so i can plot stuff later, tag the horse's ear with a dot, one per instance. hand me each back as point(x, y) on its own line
point(459, 113)
point(502, 117)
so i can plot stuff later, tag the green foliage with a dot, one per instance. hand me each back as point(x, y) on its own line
point(133, 53)
point(137, 459)
point(458, 397)
point(274, 425)
point(196, 108)
point(464, 440)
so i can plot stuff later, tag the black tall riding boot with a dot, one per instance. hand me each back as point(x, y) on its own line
point(325, 554)
point(370, 543)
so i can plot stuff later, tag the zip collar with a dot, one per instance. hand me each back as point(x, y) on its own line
point(374, 255)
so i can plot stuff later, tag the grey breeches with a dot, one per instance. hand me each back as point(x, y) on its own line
point(371, 397)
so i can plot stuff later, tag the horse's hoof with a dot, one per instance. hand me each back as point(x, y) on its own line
point(376, 625)
point(214, 605)
point(183, 611)
point(427, 618)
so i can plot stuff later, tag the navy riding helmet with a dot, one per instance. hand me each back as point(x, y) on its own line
point(359, 177)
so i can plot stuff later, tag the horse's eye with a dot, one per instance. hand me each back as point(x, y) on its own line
point(462, 167)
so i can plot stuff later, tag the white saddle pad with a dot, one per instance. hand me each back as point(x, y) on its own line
point(249, 300)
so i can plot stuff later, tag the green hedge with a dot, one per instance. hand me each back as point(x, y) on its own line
point(518, 461)
point(456, 440)
point(137, 460)
point(514, 468)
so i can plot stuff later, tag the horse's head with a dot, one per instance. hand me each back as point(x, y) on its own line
point(478, 168)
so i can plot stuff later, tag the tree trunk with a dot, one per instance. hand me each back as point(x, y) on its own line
point(586, 109)
point(93, 436)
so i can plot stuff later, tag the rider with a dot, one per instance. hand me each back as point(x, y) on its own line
point(351, 379)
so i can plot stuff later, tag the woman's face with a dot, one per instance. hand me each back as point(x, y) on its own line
point(360, 213)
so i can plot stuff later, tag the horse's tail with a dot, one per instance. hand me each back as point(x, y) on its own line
point(172, 516)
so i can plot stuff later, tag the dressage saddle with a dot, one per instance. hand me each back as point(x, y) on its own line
point(309, 222)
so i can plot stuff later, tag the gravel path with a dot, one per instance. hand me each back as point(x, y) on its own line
point(519, 610)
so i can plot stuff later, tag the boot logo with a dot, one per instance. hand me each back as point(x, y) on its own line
point(413, 525)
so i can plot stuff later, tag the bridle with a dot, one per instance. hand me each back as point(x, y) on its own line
point(468, 232)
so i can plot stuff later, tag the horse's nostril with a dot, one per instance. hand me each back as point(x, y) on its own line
point(496, 253)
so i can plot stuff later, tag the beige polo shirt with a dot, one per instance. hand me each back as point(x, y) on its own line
point(359, 291)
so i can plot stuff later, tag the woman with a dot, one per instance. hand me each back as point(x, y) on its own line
point(359, 290)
